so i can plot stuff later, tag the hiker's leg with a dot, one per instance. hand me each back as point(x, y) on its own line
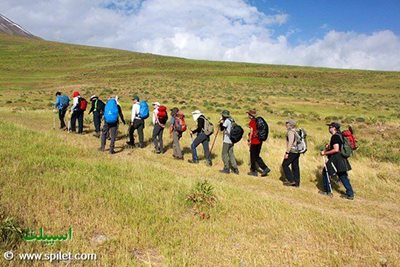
point(113, 133)
point(61, 115)
point(206, 148)
point(176, 145)
point(160, 139)
point(296, 168)
point(131, 137)
point(343, 176)
point(80, 122)
point(231, 155)
point(96, 121)
point(286, 169)
point(325, 180)
point(194, 145)
point(225, 155)
point(73, 121)
point(155, 136)
point(259, 160)
point(140, 132)
point(104, 136)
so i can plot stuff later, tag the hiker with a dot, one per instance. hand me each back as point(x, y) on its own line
point(255, 145)
point(178, 126)
point(98, 110)
point(336, 164)
point(137, 123)
point(112, 113)
point(292, 156)
point(228, 156)
point(160, 118)
point(62, 103)
point(203, 137)
point(77, 113)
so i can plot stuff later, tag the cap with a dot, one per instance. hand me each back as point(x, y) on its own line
point(75, 94)
point(135, 98)
point(291, 122)
point(156, 104)
point(225, 113)
point(93, 97)
point(252, 112)
point(334, 124)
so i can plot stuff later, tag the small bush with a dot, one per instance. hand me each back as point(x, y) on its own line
point(202, 199)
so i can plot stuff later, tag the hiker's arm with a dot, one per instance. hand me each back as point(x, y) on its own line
point(57, 102)
point(133, 113)
point(121, 115)
point(91, 109)
point(200, 126)
point(335, 150)
point(291, 138)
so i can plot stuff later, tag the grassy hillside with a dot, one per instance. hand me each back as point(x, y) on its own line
point(137, 201)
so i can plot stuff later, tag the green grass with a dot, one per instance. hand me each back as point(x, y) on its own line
point(155, 209)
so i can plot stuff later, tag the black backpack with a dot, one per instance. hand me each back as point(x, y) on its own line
point(262, 129)
point(236, 133)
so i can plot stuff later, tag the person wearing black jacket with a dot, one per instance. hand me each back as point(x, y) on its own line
point(98, 110)
point(201, 138)
point(113, 129)
point(336, 164)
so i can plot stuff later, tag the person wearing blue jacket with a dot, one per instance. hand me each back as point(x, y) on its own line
point(62, 103)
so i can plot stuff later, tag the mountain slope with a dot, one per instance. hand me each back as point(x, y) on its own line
point(9, 27)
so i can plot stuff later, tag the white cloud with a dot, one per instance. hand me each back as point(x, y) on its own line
point(230, 30)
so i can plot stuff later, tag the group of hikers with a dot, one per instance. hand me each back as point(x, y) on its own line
point(337, 151)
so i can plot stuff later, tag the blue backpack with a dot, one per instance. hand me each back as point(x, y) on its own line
point(64, 101)
point(111, 111)
point(143, 110)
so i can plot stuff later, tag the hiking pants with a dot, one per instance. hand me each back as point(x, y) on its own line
point(113, 130)
point(255, 158)
point(201, 139)
point(77, 115)
point(158, 137)
point(292, 175)
point(344, 178)
point(228, 157)
point(61, 116)
point(97, 121)
point(138, 125)
point(176, 146)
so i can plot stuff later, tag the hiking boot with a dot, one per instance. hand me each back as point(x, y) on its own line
point(97, 134)
point(253, 173)
point(101, 149)
point(235, 171)
point(209, 163)
point(325, 193)
point(112, 151)
point(226, 171)
point(265, 172)
point(193, 161)
point(288, 183)
point(347, 197)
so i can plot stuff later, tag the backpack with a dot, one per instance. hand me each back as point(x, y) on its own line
point(82, 104)
point(348, 134)
point(111, 111)
point(346, 151)
point(236, 133)
point(143, 110)
point(262, 129)
point(208, 127)
point(64, 101)
point(162, 114)
point(180, 124)
point(301, 140)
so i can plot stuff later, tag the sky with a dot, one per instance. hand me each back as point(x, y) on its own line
point(350, 34)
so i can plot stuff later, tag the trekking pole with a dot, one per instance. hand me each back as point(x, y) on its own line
point(215, 138)
point(327, 174)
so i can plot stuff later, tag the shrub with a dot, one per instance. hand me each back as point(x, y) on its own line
point(202, 199)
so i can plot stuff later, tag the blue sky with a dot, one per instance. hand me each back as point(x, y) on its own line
point(311, 19)
point(350, 34)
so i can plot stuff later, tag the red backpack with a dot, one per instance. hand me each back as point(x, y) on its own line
point(348, 134)
point(180, 124)
point(82, 104)
point(162, 114)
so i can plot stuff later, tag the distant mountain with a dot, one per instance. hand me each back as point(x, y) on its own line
point(9, 27)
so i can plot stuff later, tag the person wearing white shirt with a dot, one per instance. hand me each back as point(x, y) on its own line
point(136, 124)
